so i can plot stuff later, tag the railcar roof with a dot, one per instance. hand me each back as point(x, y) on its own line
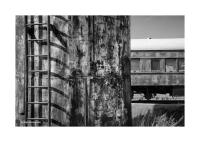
point(157, 44)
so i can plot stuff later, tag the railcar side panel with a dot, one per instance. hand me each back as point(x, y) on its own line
point(157, 54)
point(157, 79)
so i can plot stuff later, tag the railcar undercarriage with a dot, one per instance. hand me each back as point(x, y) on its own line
point(158, 92)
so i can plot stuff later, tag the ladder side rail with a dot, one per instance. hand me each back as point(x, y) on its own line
point(32, 65)
point(40, 75)
point(49, 71)
point(26, 69)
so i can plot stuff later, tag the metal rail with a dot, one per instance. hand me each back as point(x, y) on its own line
point(26, 70)
point(32, 24)
point(49, 71)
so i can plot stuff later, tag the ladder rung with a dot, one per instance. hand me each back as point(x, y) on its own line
point(41, 119)
point(37, 55)
point(45, 103)
point(32, 24)
point(29, 122)
point(33, 71)
point(37, 87)
point(36, 39)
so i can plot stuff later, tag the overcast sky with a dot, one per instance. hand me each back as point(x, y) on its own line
point(157, 27)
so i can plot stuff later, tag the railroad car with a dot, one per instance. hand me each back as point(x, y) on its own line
point(157, 68)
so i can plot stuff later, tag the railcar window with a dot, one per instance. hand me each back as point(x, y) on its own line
point(170, 65)
point(181, 65)
point(155, 64)
point(135, 65)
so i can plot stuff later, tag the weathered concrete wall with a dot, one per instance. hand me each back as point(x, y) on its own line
point(111, 57)
point(83, 93)
point(19, 82)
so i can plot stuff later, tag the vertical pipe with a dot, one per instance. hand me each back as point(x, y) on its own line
point(25, 70)
point(49, 71)
point(32, 94)
point(126, 75)
point(86, 102)
point(93, 31)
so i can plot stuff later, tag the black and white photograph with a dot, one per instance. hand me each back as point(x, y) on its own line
point(99, 70)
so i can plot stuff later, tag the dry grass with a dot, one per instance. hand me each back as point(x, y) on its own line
point(150, 119)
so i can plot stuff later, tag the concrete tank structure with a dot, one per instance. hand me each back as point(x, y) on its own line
point(90, 71)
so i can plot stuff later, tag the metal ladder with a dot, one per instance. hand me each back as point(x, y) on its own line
point(28, 72)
